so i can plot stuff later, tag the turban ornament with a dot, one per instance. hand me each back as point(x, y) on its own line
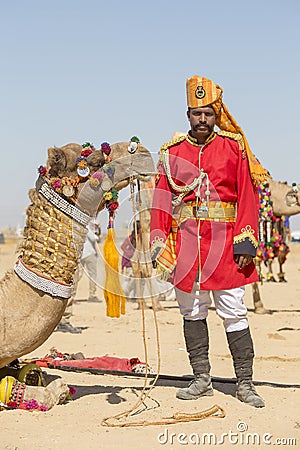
point(203, 92)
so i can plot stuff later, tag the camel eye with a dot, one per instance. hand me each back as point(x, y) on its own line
point(58, 158)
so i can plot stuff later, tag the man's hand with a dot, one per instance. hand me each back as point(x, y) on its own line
point(243, 260)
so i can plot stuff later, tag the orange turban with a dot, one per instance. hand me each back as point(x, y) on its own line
point(203, 92)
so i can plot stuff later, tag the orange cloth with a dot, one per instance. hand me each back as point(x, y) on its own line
point(203, 92)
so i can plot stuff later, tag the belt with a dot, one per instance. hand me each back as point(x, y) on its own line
point(216, 211)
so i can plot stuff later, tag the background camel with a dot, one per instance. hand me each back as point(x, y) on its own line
point(285, 202)
point(53, 240)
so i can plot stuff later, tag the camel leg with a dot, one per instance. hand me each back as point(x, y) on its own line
point(270, 275)
point(257, 303)
point(258, 262)
point(140, 299)
point(281, 273)
point(156, 305)
point(155, 302)
point(142, 304)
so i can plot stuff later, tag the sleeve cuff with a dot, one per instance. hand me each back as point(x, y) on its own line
point(245, 247)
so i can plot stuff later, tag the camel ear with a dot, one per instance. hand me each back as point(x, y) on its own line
point(96, 160)
point(56, 162)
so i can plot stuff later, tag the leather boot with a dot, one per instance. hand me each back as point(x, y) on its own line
point(241, 348)
point(197, 343)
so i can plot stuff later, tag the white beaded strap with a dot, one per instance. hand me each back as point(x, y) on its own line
point(43, 284)
point(60, 203)
point(183, 189)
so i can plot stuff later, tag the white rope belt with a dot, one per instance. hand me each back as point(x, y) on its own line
point(46, 285)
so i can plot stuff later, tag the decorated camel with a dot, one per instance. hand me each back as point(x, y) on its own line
point(69, 191)
point(278, 201)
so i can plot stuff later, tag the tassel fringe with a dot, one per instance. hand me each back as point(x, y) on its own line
point(113, 292)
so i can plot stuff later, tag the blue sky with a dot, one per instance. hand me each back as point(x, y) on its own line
point(77, 71)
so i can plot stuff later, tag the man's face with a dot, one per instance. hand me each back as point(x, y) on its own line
point(202, 121)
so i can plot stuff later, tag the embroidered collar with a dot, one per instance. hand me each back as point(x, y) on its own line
point(193, 140)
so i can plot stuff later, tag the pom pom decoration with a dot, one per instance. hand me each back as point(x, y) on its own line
point(105, 147)
point(110, 171)
point(42, 170)
point(135, 139)
point(56, 184)
point(133, 144)
point(113, 206)
point(88, 146)
point(96, 179)
point(72, 390)
point(82, 167)
point(86, 153)
point(30, 405)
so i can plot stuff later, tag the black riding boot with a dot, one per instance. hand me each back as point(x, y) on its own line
point(197, 342)
point(241, 348)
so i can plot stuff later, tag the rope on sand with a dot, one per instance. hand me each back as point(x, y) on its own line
point(215, 411)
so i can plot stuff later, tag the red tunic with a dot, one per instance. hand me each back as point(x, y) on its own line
point(207, 245)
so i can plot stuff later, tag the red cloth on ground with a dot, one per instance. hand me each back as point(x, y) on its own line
point(103, 362)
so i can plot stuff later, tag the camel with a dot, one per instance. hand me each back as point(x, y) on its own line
point(285, 202)
point(34, 295)
point(141, 261)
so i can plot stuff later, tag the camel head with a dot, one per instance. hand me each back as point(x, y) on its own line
point(61, 161)
point(84, 173)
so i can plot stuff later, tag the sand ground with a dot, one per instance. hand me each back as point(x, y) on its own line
point(77, 425)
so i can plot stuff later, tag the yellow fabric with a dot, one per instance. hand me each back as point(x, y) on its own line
point(203, 92)
point(166, 260)
point(113, 292)
point(6, 385)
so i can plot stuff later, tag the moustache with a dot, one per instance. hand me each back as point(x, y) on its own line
point(201, 125)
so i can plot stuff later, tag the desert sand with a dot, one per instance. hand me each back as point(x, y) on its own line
point(77, 424)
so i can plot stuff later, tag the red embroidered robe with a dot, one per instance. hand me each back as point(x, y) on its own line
point(208, 246)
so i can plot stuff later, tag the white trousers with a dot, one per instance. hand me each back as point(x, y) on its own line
point(229, 306)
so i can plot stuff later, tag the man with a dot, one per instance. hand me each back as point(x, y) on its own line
point(204, 232)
